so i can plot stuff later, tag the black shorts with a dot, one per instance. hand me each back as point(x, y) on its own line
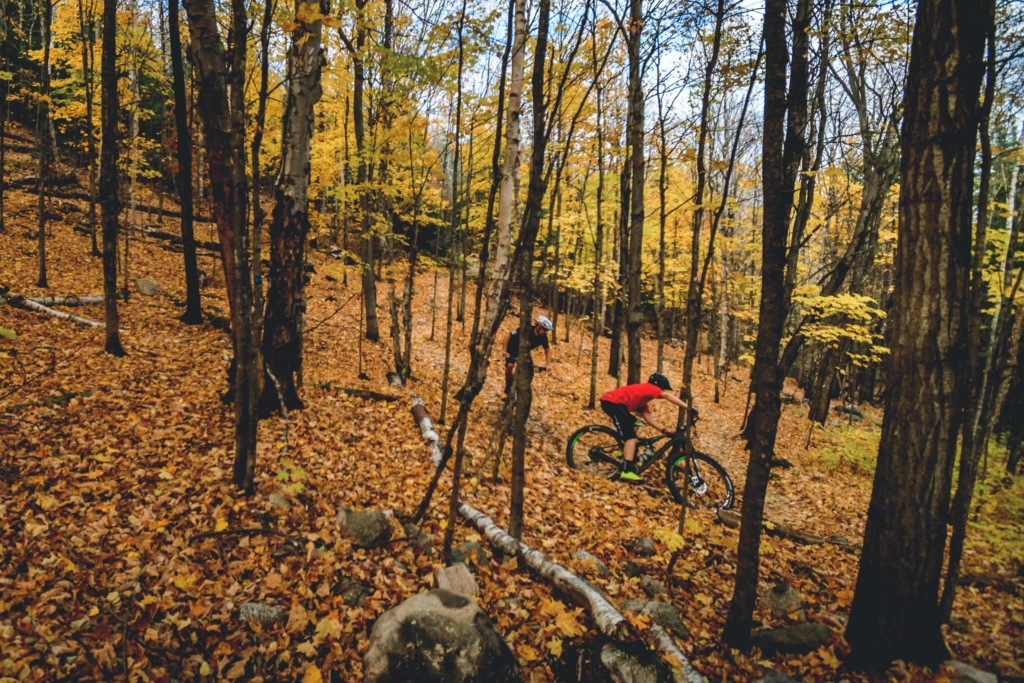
point(625, 423)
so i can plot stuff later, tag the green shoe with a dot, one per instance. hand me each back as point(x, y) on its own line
point(630, 477)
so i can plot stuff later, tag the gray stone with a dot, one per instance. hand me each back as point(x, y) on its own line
point(367, 528)
point(782, 601)
point(456, 579)
point(838, 540)
point(418, 538)
point(632, 570)
point(353, 593)
point(470, 553)
point(965, 673)
point(652, 586)
point(773, 676)
point(799, 639)
point(277, 500)
point(591, 564)
point(437, 637)
point(635, 666)
point(663, 614)
point(262, 613)
point(146, 287)
point(644, 547)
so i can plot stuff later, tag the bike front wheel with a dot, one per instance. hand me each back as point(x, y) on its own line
point(594, 449)
point(710, 485)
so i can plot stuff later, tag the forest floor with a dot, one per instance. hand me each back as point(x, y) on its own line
point(110, 469)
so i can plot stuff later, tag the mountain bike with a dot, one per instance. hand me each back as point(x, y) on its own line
point(597, 449)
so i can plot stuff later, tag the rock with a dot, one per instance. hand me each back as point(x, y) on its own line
point(470, 553)
point(637, 665)
point(838, 540)
point(591, 563)
point(418, 538)
point(773, 676)
point(965, 673)
point(146, 287)
point(632, 570)
point(456, 579)
point(652, 586)
point(353, 593)
point(262, 613)
point(848, 409)
point(367, 528)
point(799, 639)
point(730, 518)
point(782, 601)
point(834, 423)
point(434, 637)
point(644, 547)
point(663, 614)
point(277, 500)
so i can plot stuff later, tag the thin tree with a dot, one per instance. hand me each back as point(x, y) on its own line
point(635, 131)
point(87, 31)
point(193, 314)
point(44, 138)
point(895, 612)
point(110, 204)
point(782, 148)
point(598, 298)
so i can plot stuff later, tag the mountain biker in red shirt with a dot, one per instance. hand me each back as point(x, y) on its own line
point(620, 403)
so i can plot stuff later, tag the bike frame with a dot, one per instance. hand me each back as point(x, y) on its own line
point(683, 443)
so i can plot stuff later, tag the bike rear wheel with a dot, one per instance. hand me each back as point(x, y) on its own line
point(595, 449)
point(710, 486)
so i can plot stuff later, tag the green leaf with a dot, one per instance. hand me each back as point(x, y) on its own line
point(4, 332)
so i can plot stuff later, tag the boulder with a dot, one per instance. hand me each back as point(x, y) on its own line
point(783, 602)
point(965, 673)
point(652, 586)
point(635, 665)
point(418, 538)
point(663, 614)
point(591, 564)
point(644, 547)
point(262, 613)
point(470, 553)
point(456, 579)
point(366, 528)
point(434, 637)
point(799, 639)
point(277, 500)
point(146, 287)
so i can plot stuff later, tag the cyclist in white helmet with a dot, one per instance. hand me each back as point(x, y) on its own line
point(538, 337)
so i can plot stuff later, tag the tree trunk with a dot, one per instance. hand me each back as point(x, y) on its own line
point(597, 313)
point(530, 227)
point(634, 315)
point(895, 612)
point(695, 290)
point(86, 30)
point(780, 158)
point(110, 205)
point(618, 316)
point(44, 139)
point(506, 190)
point(286, 296)
point(221, 104)
point(193, 314)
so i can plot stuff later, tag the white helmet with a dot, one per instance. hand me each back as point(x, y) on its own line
point(544, 322)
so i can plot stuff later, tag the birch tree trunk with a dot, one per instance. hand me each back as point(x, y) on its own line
point(286, 296)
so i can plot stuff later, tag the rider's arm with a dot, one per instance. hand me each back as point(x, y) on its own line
point(646, 416)
point(673, 399)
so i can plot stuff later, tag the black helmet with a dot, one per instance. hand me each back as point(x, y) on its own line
point(659, 380)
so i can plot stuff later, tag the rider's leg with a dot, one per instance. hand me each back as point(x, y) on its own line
point(510, 369)
point(629, 450)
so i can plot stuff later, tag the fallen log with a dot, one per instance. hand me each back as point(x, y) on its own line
point(360, 393)
point(731, 518)
point(18, 301)
point(608, 619)
point(67, 300)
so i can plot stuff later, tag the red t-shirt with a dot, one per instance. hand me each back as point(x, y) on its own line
point(633, 396)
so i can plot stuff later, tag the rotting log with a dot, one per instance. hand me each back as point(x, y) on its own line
point(608, 619)
point(18, 301)
point(360, 393)
point(66, 300)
